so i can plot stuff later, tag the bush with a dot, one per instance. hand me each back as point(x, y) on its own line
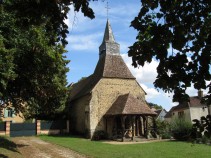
point(181, 129)
point(163, 129)
point(100, 135)
point(202, 127)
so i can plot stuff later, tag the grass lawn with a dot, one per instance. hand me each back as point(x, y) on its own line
point(172, 149)
point(8, 149)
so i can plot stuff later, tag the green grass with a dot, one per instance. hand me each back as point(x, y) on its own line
point(8, 148)
point(171, 149)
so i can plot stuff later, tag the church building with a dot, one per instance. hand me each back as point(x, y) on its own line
point(110, 100)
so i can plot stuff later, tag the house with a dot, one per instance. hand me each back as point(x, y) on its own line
point(110, 100)
point(191, 110)
point(8, 114)
point(161, 113)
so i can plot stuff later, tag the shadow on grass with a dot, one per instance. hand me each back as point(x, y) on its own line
point(9, 145)
point(3, 156)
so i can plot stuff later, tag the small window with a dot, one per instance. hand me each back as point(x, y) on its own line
point(180, 114)
point(10, 112)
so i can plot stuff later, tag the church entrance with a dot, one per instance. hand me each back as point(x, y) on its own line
point(131, 126)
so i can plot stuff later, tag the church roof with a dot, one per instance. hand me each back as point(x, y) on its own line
point(128, 104)
point(108, 35)
point(110, 65)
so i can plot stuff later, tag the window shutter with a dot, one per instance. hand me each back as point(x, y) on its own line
point(5, 113)
point(13, 113)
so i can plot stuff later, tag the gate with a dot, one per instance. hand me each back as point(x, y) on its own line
point(22, 129)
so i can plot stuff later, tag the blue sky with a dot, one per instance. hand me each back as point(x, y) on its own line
point(86, 36)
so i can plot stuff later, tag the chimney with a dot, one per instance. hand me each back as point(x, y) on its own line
point(200, 94)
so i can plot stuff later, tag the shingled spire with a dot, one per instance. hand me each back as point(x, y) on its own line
point(108, 35)
point(110, 63)
point(109, 46)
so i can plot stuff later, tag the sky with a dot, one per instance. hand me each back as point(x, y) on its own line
point(86, 35)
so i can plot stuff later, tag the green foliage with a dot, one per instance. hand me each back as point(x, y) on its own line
point(202, 127)
point(100, 135)
point(163, 129)
point(32, 61)
point(156, 106)
point(181, 129)
point(178, 35)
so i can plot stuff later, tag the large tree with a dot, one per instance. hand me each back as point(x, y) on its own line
point(178, 35)
point(32, 54)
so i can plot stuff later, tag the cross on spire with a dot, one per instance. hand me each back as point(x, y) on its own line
point(107, 9)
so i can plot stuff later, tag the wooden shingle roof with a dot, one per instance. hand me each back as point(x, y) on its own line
point(128, 104)
point(110, 65)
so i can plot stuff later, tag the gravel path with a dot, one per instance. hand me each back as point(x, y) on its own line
point(34, 147)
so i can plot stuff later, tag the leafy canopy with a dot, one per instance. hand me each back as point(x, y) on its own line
point(32, 55)
point(178, 35)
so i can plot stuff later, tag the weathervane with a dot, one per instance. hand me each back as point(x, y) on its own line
point(107, 8)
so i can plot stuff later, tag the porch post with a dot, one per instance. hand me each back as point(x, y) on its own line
point(137, 126)
point(123, 127)
point(144, 123)
point(154, 125)
point(147, 127)
point(132, 127)
point(141, 126)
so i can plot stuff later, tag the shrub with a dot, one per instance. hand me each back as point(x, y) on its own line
point(202, 127)
point(100, 135)
point(163, 129)
point(181, 129)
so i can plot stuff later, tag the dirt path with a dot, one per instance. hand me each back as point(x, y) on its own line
point(35, 148)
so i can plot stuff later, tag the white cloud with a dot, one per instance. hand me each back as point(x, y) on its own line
point(89, 42)
point(151, 92)
point(146, 74)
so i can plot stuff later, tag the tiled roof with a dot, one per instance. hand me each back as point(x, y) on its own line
point(168, 115)
point(83, 87)
point(113, 66)
point(158, 111)
point(194, 102)
point(128, 104)
point(109, 66)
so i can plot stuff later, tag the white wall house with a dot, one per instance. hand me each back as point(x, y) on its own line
point(189, 110)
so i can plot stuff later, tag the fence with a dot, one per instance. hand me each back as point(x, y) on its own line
point(37, 128)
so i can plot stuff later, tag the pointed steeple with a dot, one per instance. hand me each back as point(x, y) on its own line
point(109, 46)
point(108, 35)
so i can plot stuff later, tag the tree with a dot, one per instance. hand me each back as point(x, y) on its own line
point(32, 64)
point(157, 107)
point(178, 35)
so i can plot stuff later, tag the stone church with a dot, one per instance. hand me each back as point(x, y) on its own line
point(110, 100)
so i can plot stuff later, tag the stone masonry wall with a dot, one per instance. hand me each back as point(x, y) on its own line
point(103, 96)
point(79, 115)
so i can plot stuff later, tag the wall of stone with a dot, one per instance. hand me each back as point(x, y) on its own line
point(79, 115)
point(103, 96)
point(198, 112)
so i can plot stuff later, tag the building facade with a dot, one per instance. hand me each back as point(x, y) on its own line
point(191, 110)
point(109, 100)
